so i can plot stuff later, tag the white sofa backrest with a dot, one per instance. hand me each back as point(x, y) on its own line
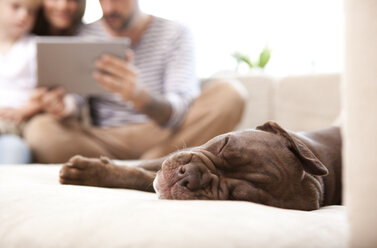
point(298, 103)
point(307, 102)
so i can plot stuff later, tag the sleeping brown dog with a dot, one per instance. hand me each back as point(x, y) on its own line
point(267, 165)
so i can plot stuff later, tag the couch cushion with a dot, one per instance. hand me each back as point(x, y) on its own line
point(307, 102)
point(259, 107)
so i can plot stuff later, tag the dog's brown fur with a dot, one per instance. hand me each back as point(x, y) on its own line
point(267, 165)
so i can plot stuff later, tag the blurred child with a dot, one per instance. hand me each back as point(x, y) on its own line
point(18, 97)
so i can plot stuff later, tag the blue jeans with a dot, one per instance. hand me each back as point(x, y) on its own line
point(14, 150)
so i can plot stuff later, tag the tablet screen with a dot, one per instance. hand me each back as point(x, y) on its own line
point(68, 62)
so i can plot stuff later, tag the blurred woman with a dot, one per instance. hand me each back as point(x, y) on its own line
point(59, 17)
point(55, 17)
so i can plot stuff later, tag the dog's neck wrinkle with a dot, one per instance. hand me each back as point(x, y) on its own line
point(327, 146)
point(223, 189)
point(317, 183)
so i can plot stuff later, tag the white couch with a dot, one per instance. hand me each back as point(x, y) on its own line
point(298, 103)
point(36, 211)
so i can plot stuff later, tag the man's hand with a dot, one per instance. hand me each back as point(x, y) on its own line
point(121, 77)
point(118, 76)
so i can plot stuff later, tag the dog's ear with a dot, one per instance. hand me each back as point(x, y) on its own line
point(309, 161)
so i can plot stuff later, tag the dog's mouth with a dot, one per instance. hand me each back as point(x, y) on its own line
point(160, 187)
point(192, 175)
point(155, 186)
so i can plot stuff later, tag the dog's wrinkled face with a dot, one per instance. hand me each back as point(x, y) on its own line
point(266, 166)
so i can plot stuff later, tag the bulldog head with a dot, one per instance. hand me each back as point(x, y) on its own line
point(267, 165)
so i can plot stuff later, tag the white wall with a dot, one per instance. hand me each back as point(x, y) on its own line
point(304, 35)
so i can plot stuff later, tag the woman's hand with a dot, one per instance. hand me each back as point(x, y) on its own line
point(31, 108)
point(53, 103)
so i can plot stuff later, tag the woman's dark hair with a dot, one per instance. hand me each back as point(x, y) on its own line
point(42, 27)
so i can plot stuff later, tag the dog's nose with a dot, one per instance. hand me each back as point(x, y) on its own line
point(190, 176)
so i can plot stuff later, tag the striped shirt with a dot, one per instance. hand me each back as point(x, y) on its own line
point(165, 60)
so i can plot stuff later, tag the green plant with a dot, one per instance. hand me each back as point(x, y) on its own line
point(264, 58)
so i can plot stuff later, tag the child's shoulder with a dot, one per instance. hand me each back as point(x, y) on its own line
point(27, 39)
point(25, 45)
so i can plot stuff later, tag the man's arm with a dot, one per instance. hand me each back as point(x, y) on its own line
point(158, 109)
point(180, 85)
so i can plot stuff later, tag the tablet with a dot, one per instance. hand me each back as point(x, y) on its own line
point(68, 62)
